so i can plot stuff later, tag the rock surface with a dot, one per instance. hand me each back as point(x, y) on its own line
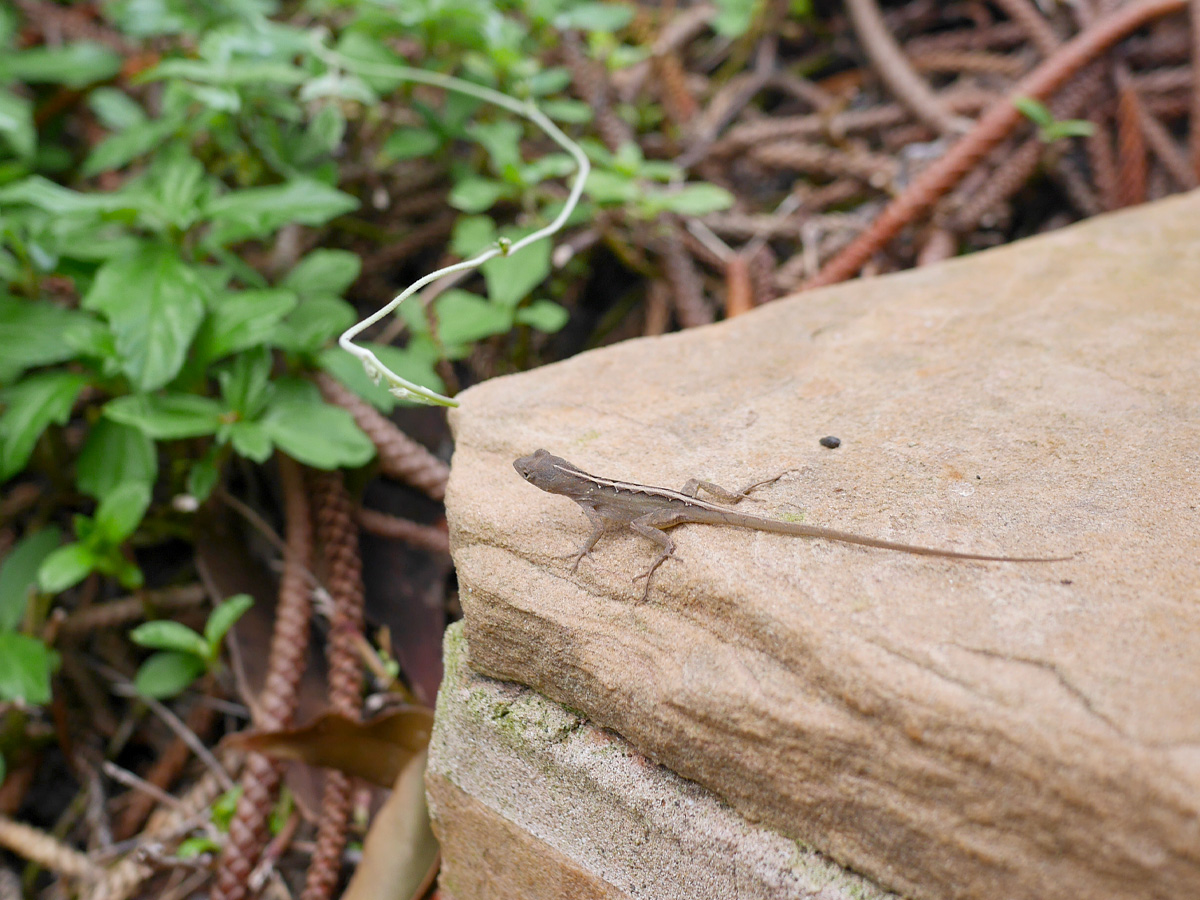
point(530, 802)
point(952, 729)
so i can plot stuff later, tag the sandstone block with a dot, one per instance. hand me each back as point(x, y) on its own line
point(951, 729)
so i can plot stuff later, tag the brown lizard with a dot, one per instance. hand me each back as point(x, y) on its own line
point(611, 505)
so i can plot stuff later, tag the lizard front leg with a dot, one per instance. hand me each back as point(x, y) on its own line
point(601, 525)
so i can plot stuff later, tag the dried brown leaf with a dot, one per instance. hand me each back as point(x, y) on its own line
point(377, 751)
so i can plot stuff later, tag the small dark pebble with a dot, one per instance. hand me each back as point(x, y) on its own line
point(831, 442)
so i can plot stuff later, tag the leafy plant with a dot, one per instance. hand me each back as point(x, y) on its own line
point(148, 336)
point(183, 654)
point(26, 664)
point(99, 544)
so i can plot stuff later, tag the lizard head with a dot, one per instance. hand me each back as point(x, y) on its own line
point(543, 469)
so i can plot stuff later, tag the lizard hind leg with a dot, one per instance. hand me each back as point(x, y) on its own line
point(694, 486)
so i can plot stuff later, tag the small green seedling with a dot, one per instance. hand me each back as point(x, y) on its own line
point(221, 814)
point(183, 654)
point(99, 546)
point(1049, 128)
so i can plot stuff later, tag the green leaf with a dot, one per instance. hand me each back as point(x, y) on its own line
point(251, 440)
point(511, 278)
point(246, 383)
point(316, 322)
point(45, 195)
point(501, 139)
point(66, 567)
point(145, 18)
point(75, 64)
point(549, 81)
point(474, 195)
point(552, 165)
point(544, 315)
point(128, 575)
point(113, 454)
point(464, 317)
point(164, 634)
point(311, 431)
point(693, 200)
point(16, 124)
point(38, 333)
point(115, 109)
point(121, 511)
point(472, 234)
point(118, 150)
point(1068, 128)
point(171, 193)
point(221, 619)
point(573, 112)
point(734, 17)
point(1034, 110)
point(408, 143)
point(324, 272)
point(407, 363)
point(18, 574)
point(26, 665)
point(239, 320)
point(257, 212)
point(594, 17)
point(339, 84)
point(202, 478)
point(30, 406)
point(193, 847)
point(168, 674)
point(326, 129)
point(168, 417)
point(228, 73)
point(224, 808)
point(154, 303)
point(610, 187)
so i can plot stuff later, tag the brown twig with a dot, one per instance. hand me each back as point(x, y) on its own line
point(895, 71)
point(163, 773)
point(400, 457)
point(427, 537)
point(592, 87)
point(992, 128)
point(977, 62)
point(687, 291)
point(1131, 147)
point(874, 169)
point(422, 236)
point(1034, 24)
point(837, 127)
point(1157, 138)
point(338, 536)
point(44, 849)
point(998, 36)
point(289, 647)
point(739, 288)
point(658, 308)
point(762, 264)
point(678, 102)
point(115, 613)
